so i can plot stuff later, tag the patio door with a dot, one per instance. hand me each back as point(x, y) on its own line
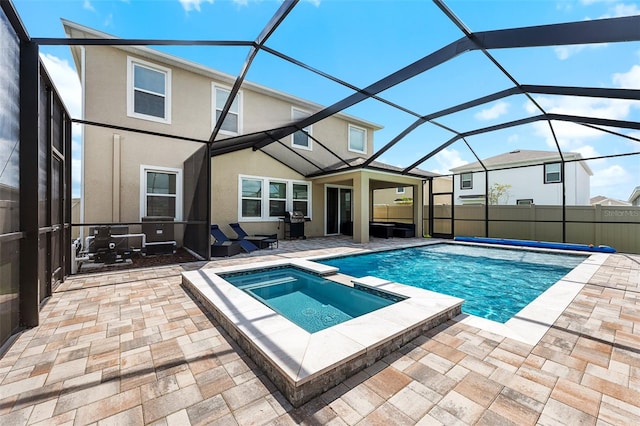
point(338, 211)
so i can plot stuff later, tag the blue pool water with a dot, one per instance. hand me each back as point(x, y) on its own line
point(310, 301)
point(495, 283)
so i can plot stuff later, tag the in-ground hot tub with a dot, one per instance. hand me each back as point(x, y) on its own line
point(309, 300)
point(301, 364)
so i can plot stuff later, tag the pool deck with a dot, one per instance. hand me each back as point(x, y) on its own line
point(132, 347)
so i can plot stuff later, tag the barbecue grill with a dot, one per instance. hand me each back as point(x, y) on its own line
point(294, 225)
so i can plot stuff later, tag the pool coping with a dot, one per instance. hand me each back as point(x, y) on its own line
point(301, 364)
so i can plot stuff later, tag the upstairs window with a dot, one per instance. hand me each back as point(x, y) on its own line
point(552, 173)
point(233, 120)
point(301, 139)
point(466, 181)
point(357, 139)
point(149, 90)
point(400, 190)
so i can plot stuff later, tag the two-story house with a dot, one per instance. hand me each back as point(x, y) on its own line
point(131, 169)
point(523, 177)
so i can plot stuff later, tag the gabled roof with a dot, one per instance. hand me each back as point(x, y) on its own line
point(635, 194)
point(520, 157)
point(606, 201)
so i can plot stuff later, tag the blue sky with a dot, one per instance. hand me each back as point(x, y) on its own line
point(361, 41)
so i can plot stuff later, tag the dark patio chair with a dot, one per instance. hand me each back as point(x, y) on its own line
point(221, 239)
point(262, 241)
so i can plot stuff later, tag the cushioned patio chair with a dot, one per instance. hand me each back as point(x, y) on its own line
point(222, 239)
point(262, 241)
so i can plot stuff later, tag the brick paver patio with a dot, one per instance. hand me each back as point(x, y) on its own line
point(132, 347)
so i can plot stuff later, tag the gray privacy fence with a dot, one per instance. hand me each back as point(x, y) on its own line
point(618, 227)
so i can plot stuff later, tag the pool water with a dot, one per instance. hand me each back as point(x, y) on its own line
point(308, 300)
point(496, 283)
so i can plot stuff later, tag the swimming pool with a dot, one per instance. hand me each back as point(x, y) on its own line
point(308, 300)
point(496, 283)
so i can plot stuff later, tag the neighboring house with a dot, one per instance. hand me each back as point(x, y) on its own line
point(634, 198)
point(399, 194)
point(601, 200)
point(129, 175)
point(524, 177)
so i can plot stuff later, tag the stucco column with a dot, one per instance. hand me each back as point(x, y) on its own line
point(418, 209)
point(361, 204)
point(115, 184)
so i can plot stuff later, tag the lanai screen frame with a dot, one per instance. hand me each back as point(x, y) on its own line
point(610, 30)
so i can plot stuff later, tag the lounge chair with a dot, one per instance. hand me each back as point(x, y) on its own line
point(222, 239)
point(262, 241)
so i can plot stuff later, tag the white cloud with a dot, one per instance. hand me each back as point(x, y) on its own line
point(611, 176)
point(190, 5)
point(629, 79)
point(66, 81)
point(513, 138)
point(88, 6)
point(620, 9)
point(497, 110)
point(448, 159)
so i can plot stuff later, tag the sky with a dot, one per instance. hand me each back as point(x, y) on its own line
point(362, 41)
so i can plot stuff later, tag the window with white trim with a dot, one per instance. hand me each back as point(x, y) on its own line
point(357, 139)
point(301, 139)
point(148, 91)
point(251, 196)
point(232, 124)
point(400, 190)
point(466, 181)
point(552, 173)
point(160, 192)
point(279, 196)
point(301, 198)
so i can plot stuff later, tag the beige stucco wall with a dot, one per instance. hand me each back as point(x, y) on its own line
point(112, 158)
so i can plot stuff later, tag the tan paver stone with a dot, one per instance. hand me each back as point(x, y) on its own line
point(255, 413)
point(42, 411)
point(160, 387)
point(66, 370)
point(17, 417)
point(411, 403)
point(386, 414)
point(387, 382)
point(530, 388)
point(577, 396)
point(490, 418)
point(170, 403)
point(245, 393)
point(440, 416)
point(457, 373)
point(362, 399)
point(479, 389)
point(615, 411)
point(74, 400)
point(461, 407)
point(345, 412)
point(214, 382)
point(179, 418)
point(133, 416)
point(313, 412)
point(612, 389)
point(556, 412)
point(430, 378)
point(108, 407)
point(208, 410)
point(478, 366)
point(21, 386)
point(516, 407)
point(539, 376)
point(438, 363)
point(62, 419)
